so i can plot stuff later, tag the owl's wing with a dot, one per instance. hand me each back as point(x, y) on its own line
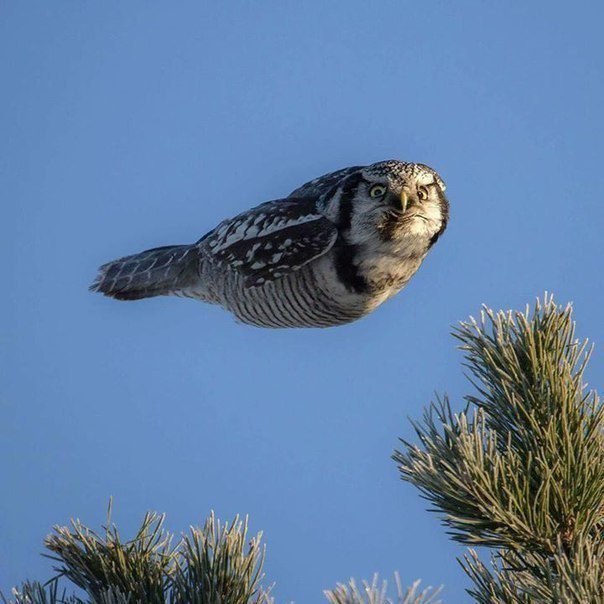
point(272, 239)
point(319, 186)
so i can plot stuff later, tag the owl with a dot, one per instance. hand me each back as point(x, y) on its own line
point(328, 254)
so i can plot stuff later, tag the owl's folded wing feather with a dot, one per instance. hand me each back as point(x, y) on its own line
point(271, 240)
point(319, 186)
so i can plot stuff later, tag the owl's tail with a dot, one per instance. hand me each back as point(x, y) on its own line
point(158, 272)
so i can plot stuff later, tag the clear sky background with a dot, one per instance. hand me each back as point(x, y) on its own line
point(129, 125)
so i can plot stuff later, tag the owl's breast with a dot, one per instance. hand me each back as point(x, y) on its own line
point(388, 267)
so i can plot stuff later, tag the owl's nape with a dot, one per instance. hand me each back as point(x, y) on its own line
point(318, 258)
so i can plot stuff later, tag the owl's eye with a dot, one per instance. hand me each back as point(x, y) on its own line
point(377, 191)
point(422, 193)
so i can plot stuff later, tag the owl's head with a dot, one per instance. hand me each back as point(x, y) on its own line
point(395, 200)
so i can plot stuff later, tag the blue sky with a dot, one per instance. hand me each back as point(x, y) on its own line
point(125, 126)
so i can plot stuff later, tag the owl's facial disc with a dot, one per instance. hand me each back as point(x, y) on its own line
point(415, 204)
point(402, 201)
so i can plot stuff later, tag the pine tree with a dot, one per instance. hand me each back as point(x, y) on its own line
point(519, 471)
point(214, 564)
point(211, 565)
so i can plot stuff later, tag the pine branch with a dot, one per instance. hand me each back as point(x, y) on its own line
point(218, 564)
point(110, 569)
point(376, 593)
point(534, 577)
point(215, 564)
point(32, 592)
point(521, 468)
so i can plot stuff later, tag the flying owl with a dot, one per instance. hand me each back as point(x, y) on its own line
point(328, 254)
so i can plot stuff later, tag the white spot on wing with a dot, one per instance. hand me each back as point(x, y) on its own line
point(242, 231)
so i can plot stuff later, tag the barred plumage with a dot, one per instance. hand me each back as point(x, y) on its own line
point(328, 254)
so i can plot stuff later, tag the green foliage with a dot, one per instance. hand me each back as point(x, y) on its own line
point(376, 593)
point(216, 564)
point(109, 569)
point(521, 468)
point(517, 577)
point(36, 593)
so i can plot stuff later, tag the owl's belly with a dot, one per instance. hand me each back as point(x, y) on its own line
point(306, 298)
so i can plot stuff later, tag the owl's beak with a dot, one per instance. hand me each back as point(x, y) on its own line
point(404, 200)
